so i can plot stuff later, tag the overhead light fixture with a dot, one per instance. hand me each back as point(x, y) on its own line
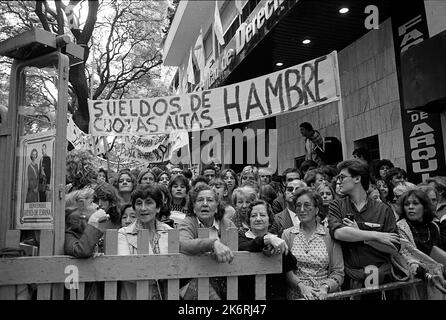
point(306, 41)
point(279, 64)
point(344, 10)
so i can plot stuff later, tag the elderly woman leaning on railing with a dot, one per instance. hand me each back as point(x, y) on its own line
point(257, 239)
point(205, 212)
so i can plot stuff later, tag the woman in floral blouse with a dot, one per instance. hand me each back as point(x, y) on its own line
point(320, 266)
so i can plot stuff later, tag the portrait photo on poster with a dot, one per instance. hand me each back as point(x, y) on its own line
point(35, 196)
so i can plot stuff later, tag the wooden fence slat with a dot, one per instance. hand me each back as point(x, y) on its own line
point(203, 283)
point(46, 249)
point(260, 287)
point(203, 288)
point(173, 285)
point(7, 292)
point(230, 238)
point(57, 291)
point(12, 240)
point(142, 286)
point(81, 291)
point(73, 294)
point(111, 248)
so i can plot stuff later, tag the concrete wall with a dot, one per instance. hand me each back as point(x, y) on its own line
point(436, 16)
point(370, 98)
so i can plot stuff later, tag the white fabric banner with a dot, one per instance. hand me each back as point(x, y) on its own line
point(81, 140)
point(155, 148)
point(300, 87)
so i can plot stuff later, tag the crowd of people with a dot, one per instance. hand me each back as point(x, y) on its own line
point(329, 222)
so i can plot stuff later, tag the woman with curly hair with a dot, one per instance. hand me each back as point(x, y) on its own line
point(381, 169)
point(250, 173)
point(125, 184)
point(81, 170)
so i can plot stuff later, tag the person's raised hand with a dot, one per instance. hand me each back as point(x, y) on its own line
point(222, 253)
point(99, 220)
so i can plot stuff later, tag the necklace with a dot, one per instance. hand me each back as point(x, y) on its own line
point(420, 234)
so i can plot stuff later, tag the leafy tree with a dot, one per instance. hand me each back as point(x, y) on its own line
point(121, 41)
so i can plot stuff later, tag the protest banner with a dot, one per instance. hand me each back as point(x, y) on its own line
point(83, 141)
point(154, 148)
point(300, 87)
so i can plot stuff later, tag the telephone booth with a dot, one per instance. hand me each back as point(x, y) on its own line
point(33, 137)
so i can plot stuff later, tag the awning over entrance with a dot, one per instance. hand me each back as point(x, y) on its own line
point(316, 20)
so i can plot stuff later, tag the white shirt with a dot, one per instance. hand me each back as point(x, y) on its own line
point(293, 217)
point(213, 230)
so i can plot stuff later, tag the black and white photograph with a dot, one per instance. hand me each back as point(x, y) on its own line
point(226, 156)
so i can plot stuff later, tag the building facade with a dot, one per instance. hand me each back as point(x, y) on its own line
point(268, 36)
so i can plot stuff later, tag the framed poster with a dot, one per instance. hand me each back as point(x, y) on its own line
point(35, 181)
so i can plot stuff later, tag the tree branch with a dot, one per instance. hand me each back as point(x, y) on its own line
point(41, 15)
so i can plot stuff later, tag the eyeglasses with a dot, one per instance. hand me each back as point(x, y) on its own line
point(341, 177)
point(291, 189)
point(306, 206)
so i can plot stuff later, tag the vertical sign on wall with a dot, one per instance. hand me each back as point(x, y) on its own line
point(423, 140)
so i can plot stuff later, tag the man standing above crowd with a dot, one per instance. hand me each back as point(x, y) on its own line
point(314, 142)
point(322, 150)
point(366, 229)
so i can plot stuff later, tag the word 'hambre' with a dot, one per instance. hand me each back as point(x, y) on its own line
point(300, 87)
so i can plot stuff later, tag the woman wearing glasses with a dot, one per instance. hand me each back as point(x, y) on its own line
point(320, 265)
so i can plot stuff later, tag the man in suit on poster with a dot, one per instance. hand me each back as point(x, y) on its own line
point(44, 175)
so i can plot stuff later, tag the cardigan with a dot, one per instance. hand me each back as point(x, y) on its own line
point(189, 241)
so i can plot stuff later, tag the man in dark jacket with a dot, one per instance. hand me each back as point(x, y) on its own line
point(287, 218)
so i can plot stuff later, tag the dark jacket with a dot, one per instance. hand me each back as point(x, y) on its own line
point(281, 222)
point(81, 244)
point(278, 204)
point(275, 283)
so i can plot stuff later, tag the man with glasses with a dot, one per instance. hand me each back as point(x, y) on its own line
point(288, 217)
point(366, 229)
point(289, 175)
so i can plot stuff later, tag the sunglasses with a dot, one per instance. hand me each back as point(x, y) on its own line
point(292, 189)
